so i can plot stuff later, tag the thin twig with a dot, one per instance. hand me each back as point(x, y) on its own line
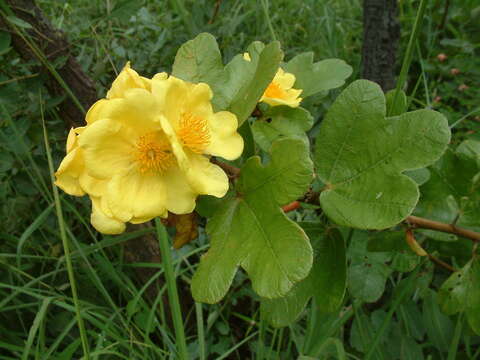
point(215, 11)
point(445, 15)
point(18, 79)
point(422, 223)
point(232, 171)
point(441, 263)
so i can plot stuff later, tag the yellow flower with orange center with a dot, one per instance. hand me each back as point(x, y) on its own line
point(280, 91)
point(145, 150)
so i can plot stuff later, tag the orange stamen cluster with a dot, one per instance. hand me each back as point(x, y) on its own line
point(153, 154)
point(274, 91)
point(193, 132)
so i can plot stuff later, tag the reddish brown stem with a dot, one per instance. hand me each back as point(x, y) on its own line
point(294, 205)
point(422, 223)
point(441, 263)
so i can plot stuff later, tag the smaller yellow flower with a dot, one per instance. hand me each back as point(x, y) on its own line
point(280, 91)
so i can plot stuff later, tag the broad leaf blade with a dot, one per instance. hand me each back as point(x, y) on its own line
point(199, 60)
point(461, 293)
point(237, 87)
point(361, 156)
point(287, 176)
point(326, 281)
point(316, 77)
point(251, 231)
point(247, 80)
point(279, 122)
point(368, 272)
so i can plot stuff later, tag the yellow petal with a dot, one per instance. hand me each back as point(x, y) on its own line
point(94, 113)
point(92, 186)
point(104, 223)
point(140, 220)
point(206, 178)
point(127, 79)
point(68, 172)
point(135, 195)
point(71, 140)
point(246, 56)
point(291, 100)
point(177, 148)
point(107, 149)
point(180, 195)
point(171, 95)
point(283, 91)
point(224, 139)
point(138, 110)
point(198, 100)
point(160, 76)
point(284, 79)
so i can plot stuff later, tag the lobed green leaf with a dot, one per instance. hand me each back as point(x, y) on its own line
point(279, 122)
point(250, 229)
point(326, 282)
point(316, 77)
point(361, 156)
point(239, 85)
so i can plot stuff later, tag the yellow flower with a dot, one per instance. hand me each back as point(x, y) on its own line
point(145, 150)
point(280, 91)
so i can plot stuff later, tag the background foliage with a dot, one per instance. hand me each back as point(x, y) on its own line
point(407, 314)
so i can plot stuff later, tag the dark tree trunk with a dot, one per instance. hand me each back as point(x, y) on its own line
point(56, 48)
point(381, 35)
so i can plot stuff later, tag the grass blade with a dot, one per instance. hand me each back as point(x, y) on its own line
point(65, 242)
point(36, 324)
point(165, 250)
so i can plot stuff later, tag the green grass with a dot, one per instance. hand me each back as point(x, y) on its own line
point(57, 272)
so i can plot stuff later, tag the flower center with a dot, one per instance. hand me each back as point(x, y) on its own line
point(193, 132)
point(274, 91)
point(153, 154)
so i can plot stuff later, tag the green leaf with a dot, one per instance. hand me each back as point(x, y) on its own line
point(6, 161)
point(451, 191)
point(316, 77)
point(247, 80)
point(249, 147)
point(5, 40)
point(473, 317)
point(124, 9)
point(368, 272)
point(207, 205)
point(438, 326)
point(470, 149)
point(361, 156)
point(411, 315)
point(199, 60)
point(326, 281)
point(461, 292)
point(279, 122)
point(420, 176)
point(400, 105)
point(403, 258)
point(286, 177)
point(18, 22)
point(237, 87)
point(250, 229)
point(410, 350)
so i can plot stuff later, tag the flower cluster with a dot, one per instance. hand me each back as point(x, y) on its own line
point(145, 150)
point(280, 91)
